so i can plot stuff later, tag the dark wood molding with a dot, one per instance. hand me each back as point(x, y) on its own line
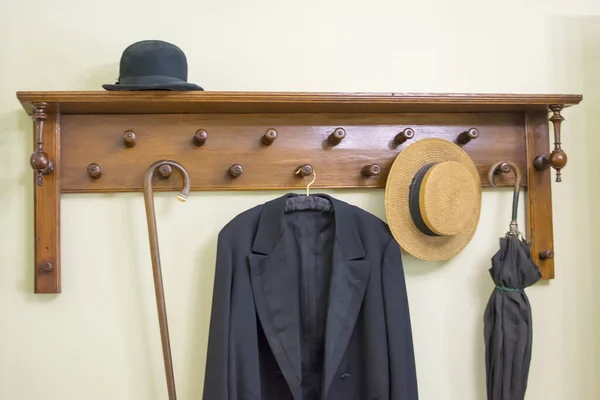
point(104, 142)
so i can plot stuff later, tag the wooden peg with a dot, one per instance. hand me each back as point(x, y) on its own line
point(269, 137)
point(200, 137)
point(304, 170)
point(165, 171)
point(504, 168)
point(371, 170)
point(236, 170)
point(129, 138)
point(467, 136)
point(46, 267)
point(546, 254)
point(403, 136)
point(336, 137)
point(94, 171)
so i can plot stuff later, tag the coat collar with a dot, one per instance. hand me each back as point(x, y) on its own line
point(270, 226)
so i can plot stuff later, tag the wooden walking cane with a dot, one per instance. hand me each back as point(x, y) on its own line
point(158, 283)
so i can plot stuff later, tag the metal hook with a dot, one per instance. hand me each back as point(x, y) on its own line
point(156, 269)
point(504, 166)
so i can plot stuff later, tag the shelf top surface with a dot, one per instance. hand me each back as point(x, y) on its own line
point(199, 102)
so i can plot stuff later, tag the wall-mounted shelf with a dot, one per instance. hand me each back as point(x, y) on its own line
point(104, 142)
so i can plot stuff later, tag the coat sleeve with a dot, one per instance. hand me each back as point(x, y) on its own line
point(216, 378)
point(402, 368)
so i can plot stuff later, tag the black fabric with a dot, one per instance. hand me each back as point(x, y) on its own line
point(309, 305)
point(300, 203)
point(153, 65)
point(309, 240)
point(414, 202)
point(508, 321)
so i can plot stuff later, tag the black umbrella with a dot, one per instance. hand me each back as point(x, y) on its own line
point(507, 317)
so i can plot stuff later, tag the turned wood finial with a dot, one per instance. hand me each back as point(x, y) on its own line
point(39, 160)
point(337, 136)
point(403, 136)
point(558, 158)
point(466, 136)
point(269, 137)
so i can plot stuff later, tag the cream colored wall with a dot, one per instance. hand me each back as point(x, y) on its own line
point(99, 338)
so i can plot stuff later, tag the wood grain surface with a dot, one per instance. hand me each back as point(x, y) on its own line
point(238, 139)
point(259, 140)
point(539, 211)
point(161, 102)
point(47, 214)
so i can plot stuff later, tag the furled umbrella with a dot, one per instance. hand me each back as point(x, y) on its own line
point(508, 316)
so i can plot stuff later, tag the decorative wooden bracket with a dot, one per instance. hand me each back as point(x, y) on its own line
point(39, 160)
point(99, 142)
point(45, 161)
point(558, 158)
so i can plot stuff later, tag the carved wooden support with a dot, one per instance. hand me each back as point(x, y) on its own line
point(39, 160)
point(539, 193)
point(46, 164)
point(558, 158)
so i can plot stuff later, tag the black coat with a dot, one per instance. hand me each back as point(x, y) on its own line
point(309, 305)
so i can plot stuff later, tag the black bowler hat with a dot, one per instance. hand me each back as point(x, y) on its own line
point(153, 65)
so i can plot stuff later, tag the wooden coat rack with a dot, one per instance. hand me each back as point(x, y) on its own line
point(87, 142)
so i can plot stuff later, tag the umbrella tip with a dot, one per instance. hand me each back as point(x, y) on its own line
point(182, 198)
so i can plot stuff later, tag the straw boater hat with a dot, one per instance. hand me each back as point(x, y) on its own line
point(433, 199)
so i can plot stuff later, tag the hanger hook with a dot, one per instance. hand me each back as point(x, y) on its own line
point(314, 174)
point(502, 167)
point(311, 182)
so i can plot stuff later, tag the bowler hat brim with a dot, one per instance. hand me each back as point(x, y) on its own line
point(152, 83)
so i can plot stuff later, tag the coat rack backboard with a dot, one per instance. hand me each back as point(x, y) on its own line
point(104, 141)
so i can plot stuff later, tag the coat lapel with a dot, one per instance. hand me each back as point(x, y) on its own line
point(347, 289)
point(275, 288)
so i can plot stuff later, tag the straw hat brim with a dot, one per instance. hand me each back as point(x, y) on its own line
point(404, 168)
